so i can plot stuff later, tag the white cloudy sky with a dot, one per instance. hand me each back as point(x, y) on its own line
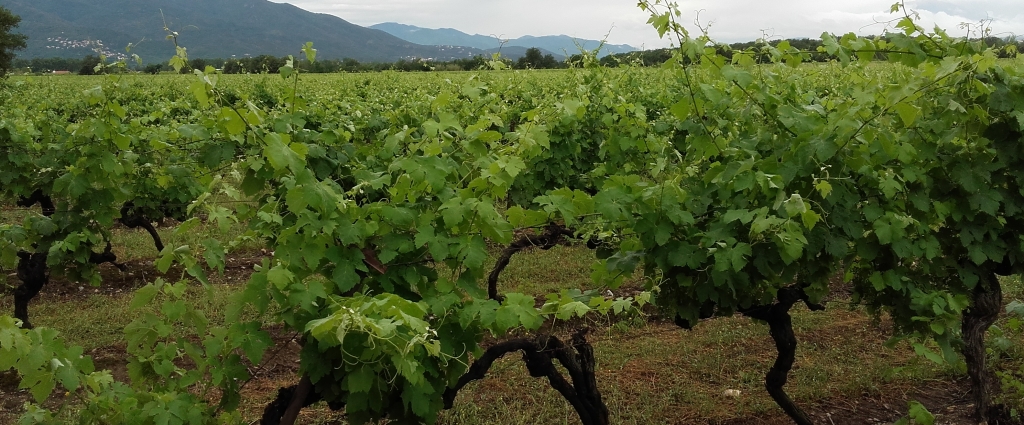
point(732, 20)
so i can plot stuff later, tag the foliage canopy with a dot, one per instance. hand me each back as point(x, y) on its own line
point(9, 41)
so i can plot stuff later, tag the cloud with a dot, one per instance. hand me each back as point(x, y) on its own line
point(592, 19)
point(1005, 17)
point(742, 20)
point(731, 20)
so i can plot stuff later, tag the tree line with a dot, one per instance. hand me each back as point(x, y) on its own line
point(533, 59)
point(1006, 48)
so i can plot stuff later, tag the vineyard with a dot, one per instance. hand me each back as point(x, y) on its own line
point(384, 239)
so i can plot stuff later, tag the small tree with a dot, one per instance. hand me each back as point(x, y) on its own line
point(531, 59)
point(350, 65)
point(233, 66)
point(9, 42)
point(199, 64)
point(536, 59)
point(89, 64)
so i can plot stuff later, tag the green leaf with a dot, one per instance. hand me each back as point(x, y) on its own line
point(201, 92)
point(521, 218)
point(663, 233)
point(883, 231)
point(280, 277)
point(744, 216)
point(122, 142)
point(824, 188)
point(251, 339)
point(42, 387)
point(795, 205)
point(400, 217)
point(68, 377)
point(251, 184)
point(309, 51)
point(890, 187)
point(1015, 308)
point(214, 254)
point(920, 414)
point(475, 253)
point(907, 112)
point(738, 254)
point(977, 254)
point(927, 353)
point(279, 154)
point(482, 310)
point(791, 240)
point(681, 109)
point(144, 296)
point(517, 310)
point(233, 122)
point(810, 218)
point(174, 310)
point(741, 77)
point(361, 380)
point(166, 259)
point(568, 310)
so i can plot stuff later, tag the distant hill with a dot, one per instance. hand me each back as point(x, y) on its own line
point(557, 44)
point(208, 28)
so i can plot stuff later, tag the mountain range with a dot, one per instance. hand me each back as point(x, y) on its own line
point(559, 45)
point(222, 29)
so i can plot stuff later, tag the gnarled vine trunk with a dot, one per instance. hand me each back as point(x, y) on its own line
point(580, 390)
point(546, 240)
point(32, 270)
point(986, 302)
point(284, 409)
point(132, 220)
point(578, 359)
point(780, 325)
point(33, 273)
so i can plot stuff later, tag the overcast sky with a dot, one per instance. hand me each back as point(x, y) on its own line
point(732, 20)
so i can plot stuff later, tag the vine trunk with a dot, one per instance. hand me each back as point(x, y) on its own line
point(986, 301)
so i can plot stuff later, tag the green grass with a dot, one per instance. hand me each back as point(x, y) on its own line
point(137, 244)
point(537, 272)
point(97, 319)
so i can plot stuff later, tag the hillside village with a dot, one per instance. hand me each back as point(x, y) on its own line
point(61, 43)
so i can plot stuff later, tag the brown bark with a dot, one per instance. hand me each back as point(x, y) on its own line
point(44, 202)
point(32, 271)
point(107, 256)
point(551, 236)
point(578, 359)
point(986, 302)
point(780, 325)
point(285, 408)
point(132, 220)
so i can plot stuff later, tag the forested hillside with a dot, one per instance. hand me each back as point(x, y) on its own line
point(210, 29)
